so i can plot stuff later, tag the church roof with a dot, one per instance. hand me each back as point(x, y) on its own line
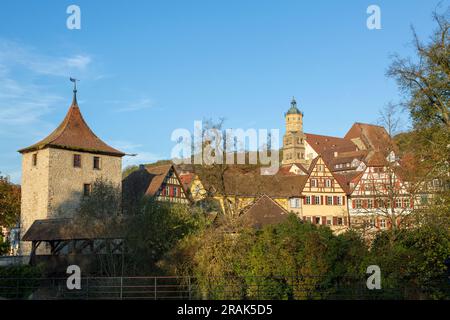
point(74, 134)
point(293, 109)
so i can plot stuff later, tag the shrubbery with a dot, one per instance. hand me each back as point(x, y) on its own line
point(296, 260)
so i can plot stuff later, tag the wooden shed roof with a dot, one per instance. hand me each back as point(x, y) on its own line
point(65, 229)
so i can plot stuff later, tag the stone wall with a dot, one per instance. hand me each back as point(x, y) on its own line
point(53, 188)
point(66, 182)
point(35, 186)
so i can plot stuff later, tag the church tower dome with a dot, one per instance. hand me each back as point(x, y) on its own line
point(293, 109)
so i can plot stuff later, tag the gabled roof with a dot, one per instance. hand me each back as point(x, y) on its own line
point(74, 134)
point(186, 179)
point(264, 211)
point(348, 181)
point(376, 159)
point(147, 180)
point(373, 136)
point(285, 170)
point(327, 145)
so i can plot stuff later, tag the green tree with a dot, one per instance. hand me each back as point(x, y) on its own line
point(9, 202)
point(425, 82)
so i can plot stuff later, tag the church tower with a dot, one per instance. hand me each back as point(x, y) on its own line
point(61, 169)
point(294, 138)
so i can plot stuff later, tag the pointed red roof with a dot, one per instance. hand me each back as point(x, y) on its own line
point(74, 134)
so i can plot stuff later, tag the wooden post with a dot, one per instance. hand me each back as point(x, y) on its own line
point(121, 288)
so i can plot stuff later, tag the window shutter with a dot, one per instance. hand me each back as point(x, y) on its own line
point(324, 220)
point(353, 204)
point(304, 200)
point(343, 200)
point(321, 199)
point(345, 221)
point(334, 221)
point(313, 199)
point(314, 219)
point(412, 203)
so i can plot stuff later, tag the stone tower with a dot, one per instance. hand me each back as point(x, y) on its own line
point(294, 138)
point(60, 169)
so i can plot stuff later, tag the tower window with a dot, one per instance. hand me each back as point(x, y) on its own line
point(97, 163)
point(77, 161)
point(87, 188)
point(34, 159)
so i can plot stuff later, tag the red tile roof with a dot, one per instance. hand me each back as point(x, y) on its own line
point(373, 136)
point(327, 144)
point(74, 134)
point(285, 169)
point(346, 180)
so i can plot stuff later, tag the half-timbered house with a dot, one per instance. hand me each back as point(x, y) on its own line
point(160, 182)
point(324, 200)
point(379, 196)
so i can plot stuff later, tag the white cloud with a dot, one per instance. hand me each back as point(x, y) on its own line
point(12, 53)
point(141, 104)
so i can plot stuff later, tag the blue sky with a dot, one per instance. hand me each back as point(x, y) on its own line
point(149, 67)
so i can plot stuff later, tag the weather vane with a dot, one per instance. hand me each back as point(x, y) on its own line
point(74, 83)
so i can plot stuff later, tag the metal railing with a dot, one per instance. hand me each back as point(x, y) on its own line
point(187, 288)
